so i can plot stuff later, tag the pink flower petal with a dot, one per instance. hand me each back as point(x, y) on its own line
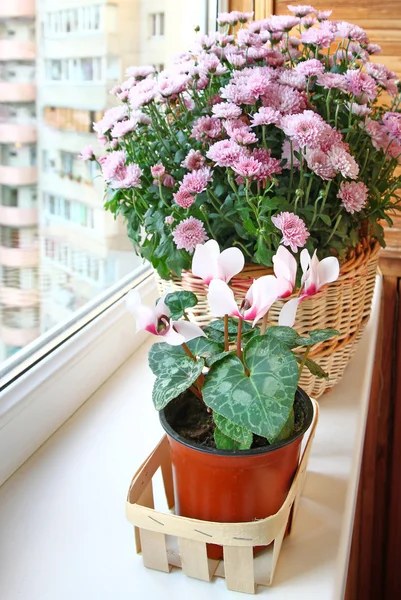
point(173, 338)
point(221, 299)
point(288, 313)
point(328, 270)
point(188, 330)
point(231, 262)
point(204, 262)
point(285, 265)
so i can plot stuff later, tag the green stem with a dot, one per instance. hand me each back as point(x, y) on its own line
point(303, 363)
point(335, 227)
point(291, 172)
point(239, 339)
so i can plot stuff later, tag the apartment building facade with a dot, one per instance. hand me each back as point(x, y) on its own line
point(58, 247)
point(19, 252)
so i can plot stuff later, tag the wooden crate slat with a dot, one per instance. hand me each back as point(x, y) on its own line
point(238, 569)
point(146, 499)
point(154, 550)
point(241, 570)
point(194, 561)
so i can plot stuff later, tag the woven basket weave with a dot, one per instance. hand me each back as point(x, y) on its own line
point(343, 305)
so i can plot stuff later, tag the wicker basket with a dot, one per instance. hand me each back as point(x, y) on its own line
point(157, 532)
point(343, 305)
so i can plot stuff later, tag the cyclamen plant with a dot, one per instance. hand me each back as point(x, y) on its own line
point(245, 372)
point(276, 134)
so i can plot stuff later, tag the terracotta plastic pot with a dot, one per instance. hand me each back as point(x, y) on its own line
point(229, 486)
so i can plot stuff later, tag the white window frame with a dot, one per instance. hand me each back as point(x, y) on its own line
point(54, 382)
point(54, 376)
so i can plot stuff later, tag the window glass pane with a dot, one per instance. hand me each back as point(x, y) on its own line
point(59, 248)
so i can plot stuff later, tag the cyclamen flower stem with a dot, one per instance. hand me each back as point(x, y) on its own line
point(226, 344)
point(303, 362)
point(188, 352)
point(264, 325)
point(239, 339)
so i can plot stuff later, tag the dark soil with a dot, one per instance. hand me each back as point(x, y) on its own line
point(192, 420)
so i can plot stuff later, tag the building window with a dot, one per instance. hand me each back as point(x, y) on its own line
point(156, 24)
point(75, 69)
point(76, 20)
point(11, 277)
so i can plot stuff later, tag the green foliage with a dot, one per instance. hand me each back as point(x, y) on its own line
point(262, 401)
point(224, 442)
point(178, 302)
point(288, 428)
point(313, 367)
point(236, 432)
point(290, 337)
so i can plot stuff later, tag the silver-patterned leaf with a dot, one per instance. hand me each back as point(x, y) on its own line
point(261, 401)
point(175, 380)
point(235, 432)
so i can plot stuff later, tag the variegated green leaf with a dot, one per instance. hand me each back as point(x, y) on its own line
point(235, 432)
point(175, 379)
point(261, 401)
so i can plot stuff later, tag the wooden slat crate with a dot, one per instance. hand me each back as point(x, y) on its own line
point(168, 540)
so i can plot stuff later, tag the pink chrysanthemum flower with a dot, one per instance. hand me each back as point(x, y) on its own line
point(322, 37)
point(353, 195)
point(361, 110)
point(189, 233)
point(193, 161)
point(384, 77)
point(196, 181)
point(139, 72)
point(236, 60)
point(293, 229)
point(284, 99)
point(225, 153)
point(308, 22)
point(286, 154)
point(319, 162)
point(293, 79)
point(323, 15)
point(373, 48)
point(158, 171)
point(168, 181)
point(304, 128)
point(392, 124)
point(310, 67)
point(206, 127)
point(352, 32)
point(110, 117)
point(332, 80)
point(268, 166)
point(184, 198)
point(226, 110)
point(247, 166)
point(87, 153)
point(266, 116)
point(283, 23)
point(301, 10)
point(143, 93)
point(343, 162)
point(169, 220)
point(118, 174)
point(124, 127)
point(377, 133)
point(361, 85)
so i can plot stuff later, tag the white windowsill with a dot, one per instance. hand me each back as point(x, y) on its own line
point(62, 514)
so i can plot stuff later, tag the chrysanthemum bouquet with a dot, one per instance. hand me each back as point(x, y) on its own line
point(274, 132)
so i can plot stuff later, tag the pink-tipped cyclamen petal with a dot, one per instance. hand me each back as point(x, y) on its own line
point(189, 331)
point(172, 338)
point(162, 310)
point(230, 262)
point(204, 262)
point(285, 269)
point(288, 313)
point(328, 270)
point(261, 295)
point(221, 299)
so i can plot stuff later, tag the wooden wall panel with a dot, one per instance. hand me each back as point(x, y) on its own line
point(381, 20)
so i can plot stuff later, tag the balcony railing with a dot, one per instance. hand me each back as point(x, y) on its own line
point(11, 91)
point(19, 257)
point(11, 133)
point(18, 175)
point(12, 296)
point(17, 50)
point(17, 8)
point(14, 216)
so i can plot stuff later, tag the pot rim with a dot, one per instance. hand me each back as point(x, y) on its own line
point(300, 393)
